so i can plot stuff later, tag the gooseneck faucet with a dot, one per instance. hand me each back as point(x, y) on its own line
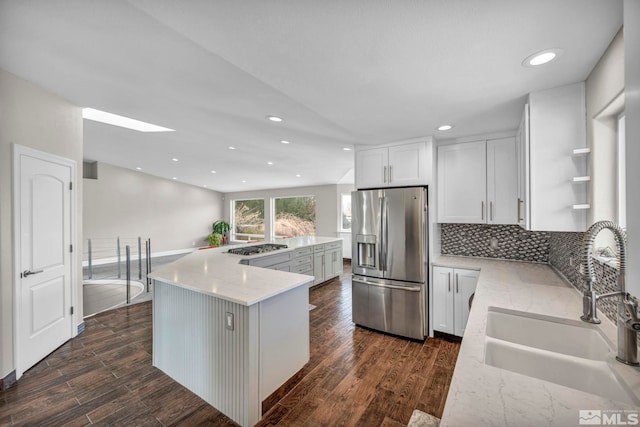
point(627, 317)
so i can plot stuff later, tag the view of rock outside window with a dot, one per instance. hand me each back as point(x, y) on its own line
point(345, 211)
point(295, 216)
point(248, 219)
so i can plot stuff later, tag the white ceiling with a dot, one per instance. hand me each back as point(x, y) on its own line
point(340, 73)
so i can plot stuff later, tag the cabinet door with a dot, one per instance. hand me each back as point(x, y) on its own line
point(407, 165)
point(522, 148)
point(465, 285)
point(462, 183)
point(318, 267)
point(443, 299)
point(331, 268)
point(502, 181)
point(337, 262)
point(371, 168)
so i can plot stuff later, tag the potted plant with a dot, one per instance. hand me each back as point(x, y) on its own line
point(215, 239)
point(221, 227)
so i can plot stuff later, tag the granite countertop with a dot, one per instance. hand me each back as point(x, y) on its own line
point(217, 273)
point(484, 395)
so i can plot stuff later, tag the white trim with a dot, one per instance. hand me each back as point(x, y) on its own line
point(17, 151)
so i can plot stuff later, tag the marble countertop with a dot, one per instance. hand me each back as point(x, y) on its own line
point(217, 273)
point(483, 395)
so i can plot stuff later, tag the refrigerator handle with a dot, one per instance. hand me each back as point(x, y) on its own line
point(383, 234)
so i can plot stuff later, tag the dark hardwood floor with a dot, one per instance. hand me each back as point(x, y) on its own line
point(355, 376)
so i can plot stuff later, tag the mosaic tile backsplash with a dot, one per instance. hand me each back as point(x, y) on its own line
point(565, 251)
point(495, 241)
point(561, 250)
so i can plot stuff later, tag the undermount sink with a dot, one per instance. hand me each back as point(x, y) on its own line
point(573, 338)
point(572, 354)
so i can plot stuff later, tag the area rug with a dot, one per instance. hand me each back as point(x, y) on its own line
point(422, 419)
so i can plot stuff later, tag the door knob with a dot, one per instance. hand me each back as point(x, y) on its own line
point(29, 272)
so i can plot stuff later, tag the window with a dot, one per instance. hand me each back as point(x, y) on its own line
point(345, 212)
point(294, 216)
point(248, 219)
point(622, 181)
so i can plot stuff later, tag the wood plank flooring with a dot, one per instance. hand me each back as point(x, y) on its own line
point(355, 376)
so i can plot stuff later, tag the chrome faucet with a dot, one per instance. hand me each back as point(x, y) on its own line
point(627, 318)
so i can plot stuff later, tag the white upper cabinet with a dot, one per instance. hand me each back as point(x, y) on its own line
point(392, 166)
point(502, 181)
point(478, 182)
point(462, 183)
point(522, 153)
point(553, 201)
point(371, 168)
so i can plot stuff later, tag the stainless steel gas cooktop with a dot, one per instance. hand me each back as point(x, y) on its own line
point(257, 249)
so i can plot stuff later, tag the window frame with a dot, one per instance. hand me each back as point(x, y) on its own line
point(340, 213)
point(273, 213)
point(621, 183)
point(250, 237)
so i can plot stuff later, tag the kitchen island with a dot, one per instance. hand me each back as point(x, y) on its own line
point(485, 395)
point(229, 332)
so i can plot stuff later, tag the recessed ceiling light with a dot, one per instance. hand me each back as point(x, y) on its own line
point(174, 159)
point(213, 171)
point(232, 148)
point(274, 118)
point(122, 121)
point(298, 175)
point(269, 163)
point(205, 185)
point(139, 168)
point(542, 57)
point(243, 181)
point(445, 127)
point(347, 148)
point(285, 142)
point(174, 177)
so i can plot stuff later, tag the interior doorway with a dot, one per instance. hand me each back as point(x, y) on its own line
point(44, 266)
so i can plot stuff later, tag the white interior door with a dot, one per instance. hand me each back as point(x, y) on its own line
point(43, 218)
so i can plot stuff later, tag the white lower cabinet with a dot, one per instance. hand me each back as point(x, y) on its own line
point(327, 261)
point(452, 291)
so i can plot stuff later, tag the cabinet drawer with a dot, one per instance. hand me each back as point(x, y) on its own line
point(307, 250)
point(303, 269)
point(332, 245)
point(318, 248)
point(270, 260)
point(307, 259)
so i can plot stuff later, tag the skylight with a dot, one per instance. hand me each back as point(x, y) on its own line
point(121, 121)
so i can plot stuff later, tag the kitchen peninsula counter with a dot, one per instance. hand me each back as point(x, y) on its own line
point(484, 395)
point(229, 332)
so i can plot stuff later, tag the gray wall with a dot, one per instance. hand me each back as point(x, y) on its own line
point(130, 204)
point(34, 118)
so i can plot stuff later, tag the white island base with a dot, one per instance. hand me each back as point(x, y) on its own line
point(231, 355)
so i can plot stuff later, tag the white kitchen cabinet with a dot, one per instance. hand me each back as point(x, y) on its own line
point(502, 181)
point(522, 153)
point(327, 261)
point(333, 260)
point(462, 183)
point(318, 264)
point(392, 166)
point(556, 126)
point(452, 291)
point(477, 182)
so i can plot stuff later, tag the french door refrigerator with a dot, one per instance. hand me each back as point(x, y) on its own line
point(389, 237)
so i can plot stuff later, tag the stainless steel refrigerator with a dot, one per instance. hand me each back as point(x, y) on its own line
point(390, 258)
